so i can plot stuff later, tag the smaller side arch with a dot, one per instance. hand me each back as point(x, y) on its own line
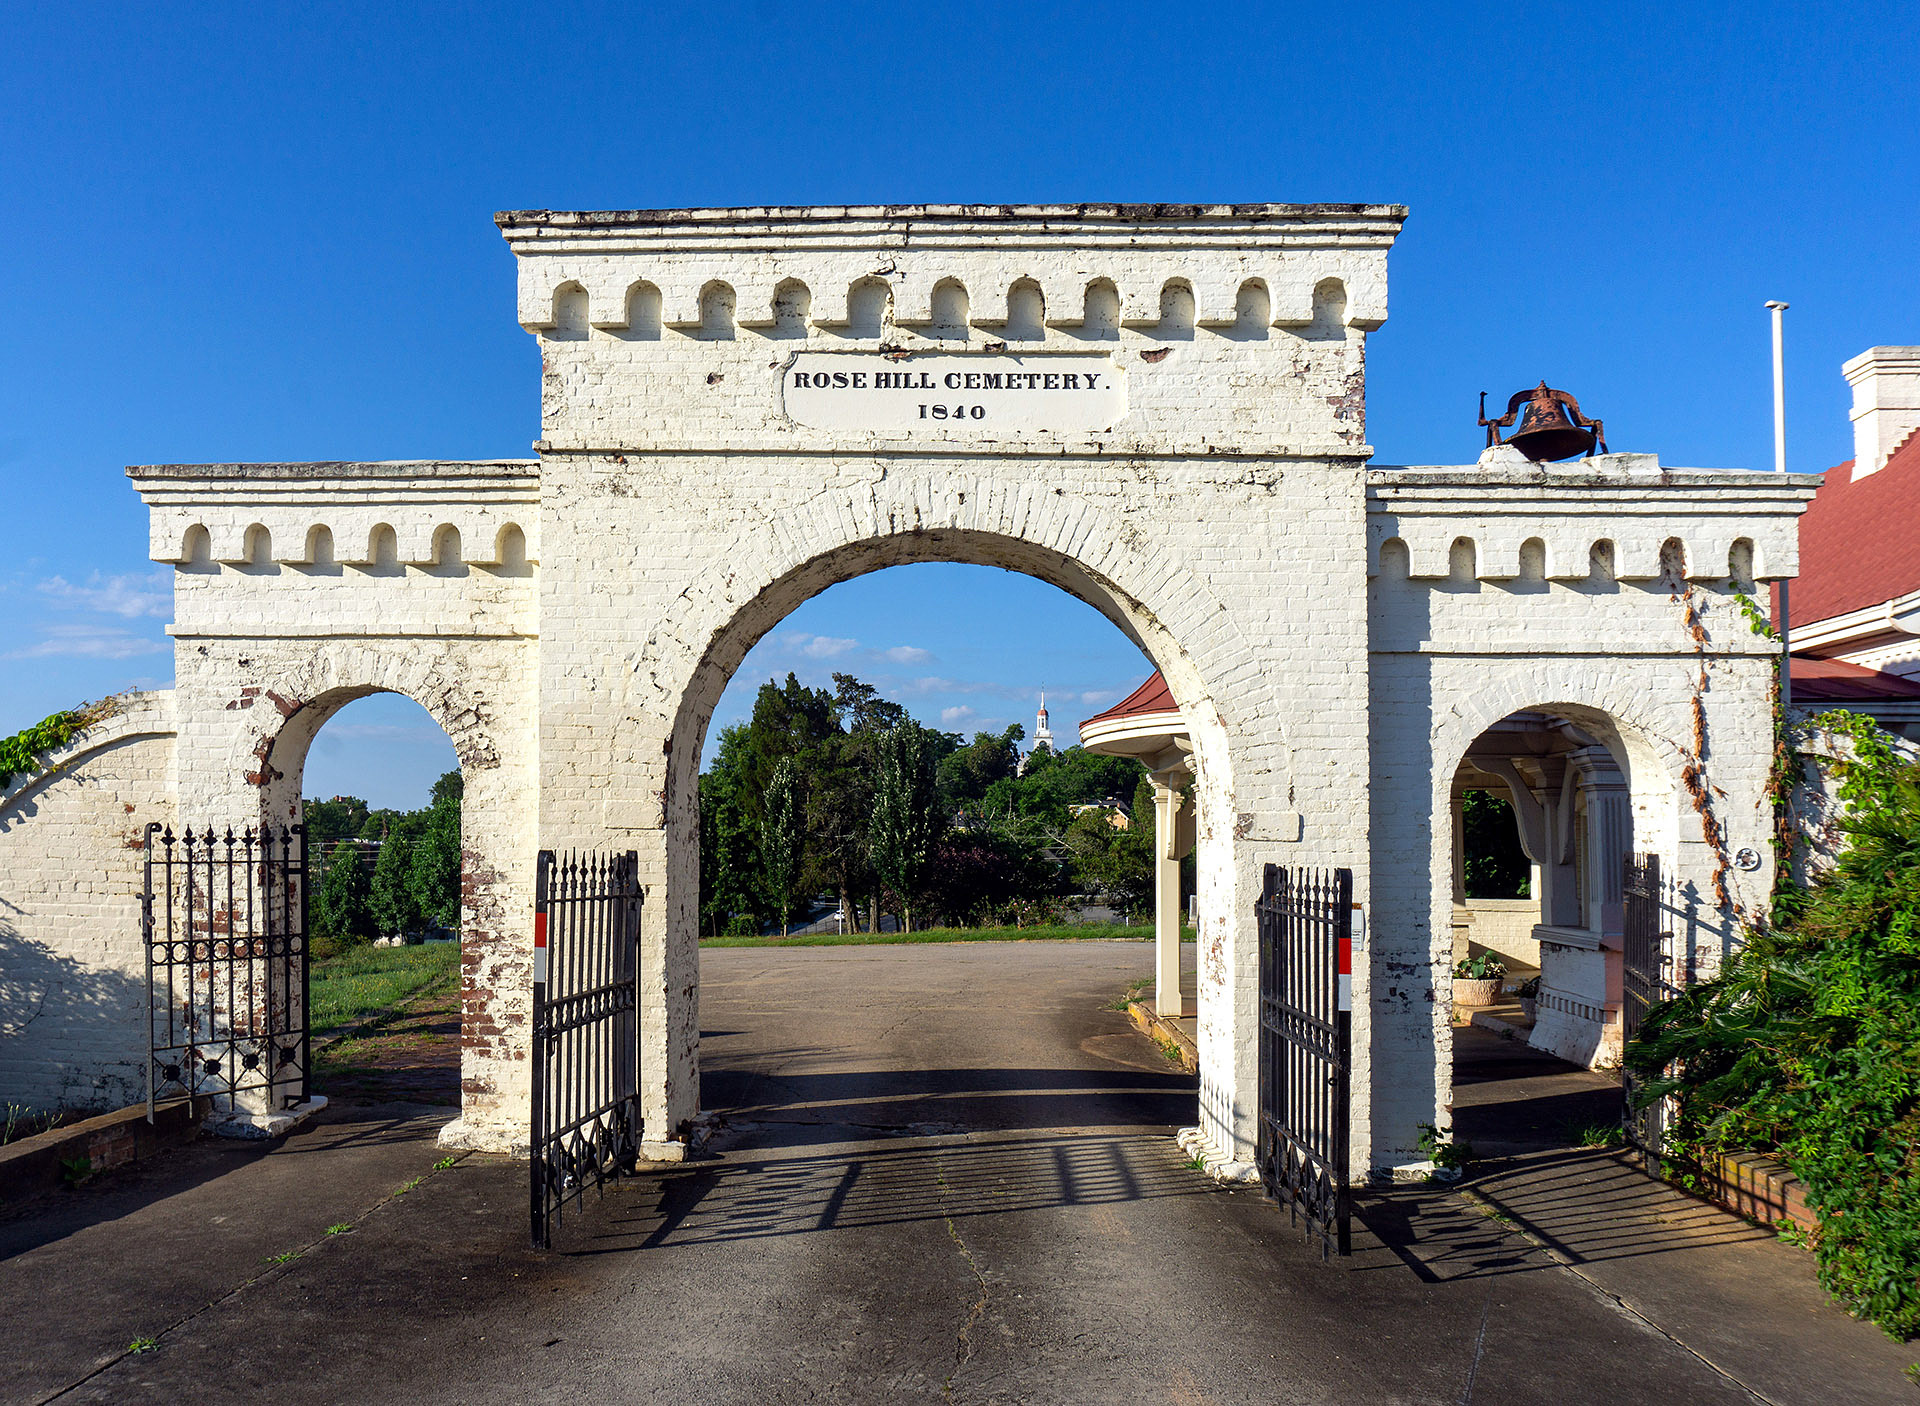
point(792, 308)
point(1026, 311)
point(1329, 320)
point(319, 546)
point(1673, 565)
point(446, 554)
point(1176, 310)
point(643, 307)
point(1252, 311)
point(256, 547)
point(1396, 560)
point(869, 307)
point(569, 313)
point(1463, 561)
point(716, 312)
point(383, 551)
point(1535, 564)
point(196, 550)
point(1742, 564)
point(1601, 561)
point(510, 551)
point(952, 309)
point(1100, 310)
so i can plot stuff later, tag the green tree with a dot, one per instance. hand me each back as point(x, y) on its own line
point(1114, 860)
point(789, 720)
point(1055, 781)
point(396, 910)
point(433, 871)
point(339, 913)
point(451, 787)
point(328, 822)
point(1807, 1044)
point(906, 817)
point(1496, 865)
point(967, 772)
point(783, 837)
point(860, 708)
point(731, 879)
point(839, 804)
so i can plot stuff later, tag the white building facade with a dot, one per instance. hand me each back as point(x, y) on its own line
point(1160, 410)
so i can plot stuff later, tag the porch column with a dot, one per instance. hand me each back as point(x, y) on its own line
point(1458, 807)
point(1173, 837)
point(1609, 839)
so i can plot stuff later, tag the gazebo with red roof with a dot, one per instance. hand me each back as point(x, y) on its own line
point(1147, 726)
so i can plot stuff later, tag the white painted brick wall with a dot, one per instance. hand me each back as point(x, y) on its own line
point(72, 966)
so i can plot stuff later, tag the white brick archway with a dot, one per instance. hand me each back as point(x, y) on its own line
point(248, 757)
point(1336, 635)
point(978, 525)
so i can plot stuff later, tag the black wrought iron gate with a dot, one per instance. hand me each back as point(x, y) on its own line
point(224, 922)
point(586, 1027)
point(1306, 1018)
point(1645, 981)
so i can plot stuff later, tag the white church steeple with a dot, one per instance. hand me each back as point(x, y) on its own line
point(1042, 734)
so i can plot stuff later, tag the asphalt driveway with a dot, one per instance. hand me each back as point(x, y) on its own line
point(945, 1174)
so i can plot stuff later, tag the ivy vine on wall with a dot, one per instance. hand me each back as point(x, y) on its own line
point(21, 753)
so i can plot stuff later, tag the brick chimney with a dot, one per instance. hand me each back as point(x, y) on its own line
point(1886, 403)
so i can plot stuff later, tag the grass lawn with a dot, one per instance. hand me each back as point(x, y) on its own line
point(1076, 932)
point(363, 979)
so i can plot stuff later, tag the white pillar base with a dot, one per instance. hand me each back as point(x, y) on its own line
point(1220, 1167)
point(258, 1124)
point(463, 1136)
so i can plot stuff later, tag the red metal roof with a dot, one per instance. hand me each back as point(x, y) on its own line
point(1153, 696)
point(1836, 681)
point(1860, 541)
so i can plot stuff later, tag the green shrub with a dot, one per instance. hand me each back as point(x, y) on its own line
point(1807, 1046)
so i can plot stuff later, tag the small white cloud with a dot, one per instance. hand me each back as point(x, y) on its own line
point(384, 732)
point(1100, 695)
point(908, 654)
point(953, 717)
point(88, 642)
point(813, 646)
point(131, 597)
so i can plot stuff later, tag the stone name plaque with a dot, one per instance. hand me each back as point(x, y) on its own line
point(985, 395)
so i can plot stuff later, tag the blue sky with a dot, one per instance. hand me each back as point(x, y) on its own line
point(237, 235)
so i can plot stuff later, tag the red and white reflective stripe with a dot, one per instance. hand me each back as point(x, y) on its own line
point(1345, 999)
point(540, 948)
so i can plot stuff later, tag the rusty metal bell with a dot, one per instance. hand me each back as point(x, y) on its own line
point(1551, 428)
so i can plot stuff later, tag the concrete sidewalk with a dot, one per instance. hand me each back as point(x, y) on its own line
point(138, 1253)
point(1731, 1293)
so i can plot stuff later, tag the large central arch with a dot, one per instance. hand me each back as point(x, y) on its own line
point(957, 517)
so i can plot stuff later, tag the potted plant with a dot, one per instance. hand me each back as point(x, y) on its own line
point(1529, 993)
point(1476, 980)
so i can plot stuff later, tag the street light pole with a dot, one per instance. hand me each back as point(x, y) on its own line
point(1776, 307)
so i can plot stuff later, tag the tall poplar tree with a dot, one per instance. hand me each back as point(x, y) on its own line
point(906, 812)
point(783, 836)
